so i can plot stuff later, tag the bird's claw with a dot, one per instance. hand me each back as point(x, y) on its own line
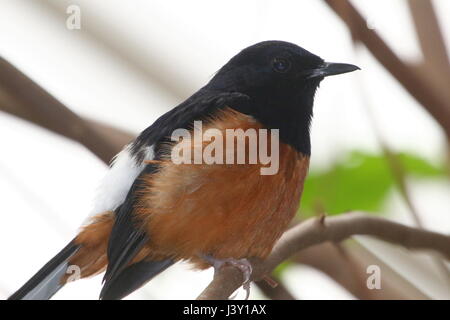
point(242, 264)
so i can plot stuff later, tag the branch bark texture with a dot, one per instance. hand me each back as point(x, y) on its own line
point(316, 231)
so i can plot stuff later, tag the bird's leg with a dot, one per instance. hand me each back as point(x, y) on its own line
point(242, 264)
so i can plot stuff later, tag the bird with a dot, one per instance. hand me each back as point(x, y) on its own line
point(152, 212)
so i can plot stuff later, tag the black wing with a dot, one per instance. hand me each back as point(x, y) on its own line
point(198, 107)
point(126, 238)
point(133, 277)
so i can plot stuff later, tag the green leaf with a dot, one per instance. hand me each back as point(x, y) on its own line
point(419, 167)
point(359, 181)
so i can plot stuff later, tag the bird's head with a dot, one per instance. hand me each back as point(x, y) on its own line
point(281, 79)
point(275, 68)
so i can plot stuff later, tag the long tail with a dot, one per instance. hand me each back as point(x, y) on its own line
point(47, 281)
point(87, 252)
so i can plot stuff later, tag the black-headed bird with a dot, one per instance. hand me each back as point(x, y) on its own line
point(153, 211)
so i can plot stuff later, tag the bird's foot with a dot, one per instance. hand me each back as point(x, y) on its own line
point(242, 264)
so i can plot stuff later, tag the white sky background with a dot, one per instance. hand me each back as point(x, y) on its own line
point(47, 182)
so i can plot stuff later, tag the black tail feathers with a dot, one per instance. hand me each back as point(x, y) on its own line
point(47, 281)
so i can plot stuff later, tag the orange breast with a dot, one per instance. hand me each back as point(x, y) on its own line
point(221, 209)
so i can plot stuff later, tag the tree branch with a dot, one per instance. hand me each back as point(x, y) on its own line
point(350, 271)
point(435, 101)
point(315, 231)
point(21, 96)
point(430, 37)
point(278, 292)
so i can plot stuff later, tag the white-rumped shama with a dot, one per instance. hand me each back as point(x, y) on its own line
point(151, 212)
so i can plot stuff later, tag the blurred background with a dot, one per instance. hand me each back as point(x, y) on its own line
point(379, 137)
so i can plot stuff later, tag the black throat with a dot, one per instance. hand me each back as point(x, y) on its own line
point(291, 116)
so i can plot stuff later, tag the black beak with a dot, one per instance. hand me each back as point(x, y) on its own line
point(331, 69)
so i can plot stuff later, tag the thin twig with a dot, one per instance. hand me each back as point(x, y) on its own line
point(431, 98)
point(279, 292)
point(351, 271)
point(398, 173)
point(431, 39)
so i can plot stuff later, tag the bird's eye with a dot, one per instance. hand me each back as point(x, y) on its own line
point(281, 65)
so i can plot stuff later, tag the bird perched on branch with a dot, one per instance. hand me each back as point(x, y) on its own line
point(154, 210)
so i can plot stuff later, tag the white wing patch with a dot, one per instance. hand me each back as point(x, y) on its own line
point(117, 182)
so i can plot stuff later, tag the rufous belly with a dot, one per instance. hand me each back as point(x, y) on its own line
point(222, 210)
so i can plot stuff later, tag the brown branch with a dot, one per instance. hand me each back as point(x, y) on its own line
point(22, 97)
point(399, 174)
point(435, 101)
point(400, 179)
point(430, 37)
point(117, 137)
point(436, 65)
point(335, 229)
point(280, 292)
point(350, 271)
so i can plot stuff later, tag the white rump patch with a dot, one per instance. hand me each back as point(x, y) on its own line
point(117, 182)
